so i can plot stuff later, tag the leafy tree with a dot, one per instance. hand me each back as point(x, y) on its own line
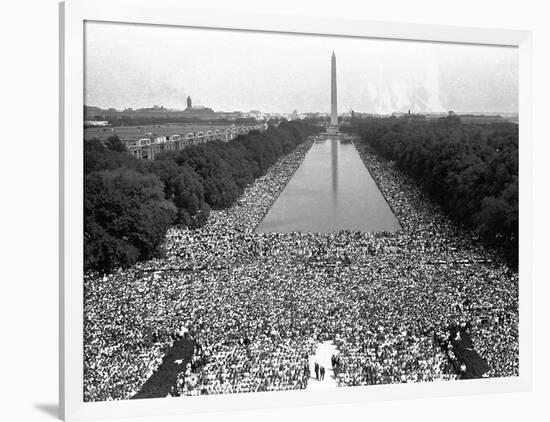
point(470, 169)
point(115, 144)
point(98, 156)
point(126, 217)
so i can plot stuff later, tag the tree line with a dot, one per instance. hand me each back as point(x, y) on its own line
point(129, 204)
point(470, 169)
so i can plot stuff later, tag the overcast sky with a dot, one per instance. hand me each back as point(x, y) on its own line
point(142, 65)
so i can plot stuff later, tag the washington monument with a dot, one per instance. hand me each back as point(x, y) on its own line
point(333, 96)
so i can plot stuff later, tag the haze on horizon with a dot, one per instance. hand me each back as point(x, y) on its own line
point(136, 66)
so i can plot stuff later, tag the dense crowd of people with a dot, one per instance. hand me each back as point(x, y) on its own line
point(257, 304)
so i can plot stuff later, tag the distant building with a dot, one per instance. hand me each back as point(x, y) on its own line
point(316, 115)
point(255, 114)
point(96, 123)
point(197, 112)
point(145, 142)
point(201, 113)
point(229, 115)
point(93, 113)
point(480, 118)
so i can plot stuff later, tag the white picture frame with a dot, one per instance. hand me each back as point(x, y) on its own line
point(73, 15)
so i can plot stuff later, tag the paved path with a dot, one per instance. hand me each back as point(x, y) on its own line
point(322, 356)
point(162, 381)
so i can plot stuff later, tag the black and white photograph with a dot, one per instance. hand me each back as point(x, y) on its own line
point(269, 211)
point(293, 210)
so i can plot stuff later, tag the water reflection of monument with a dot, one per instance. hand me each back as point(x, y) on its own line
point(334, 164)
point(333, 123)
point(333, 129)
